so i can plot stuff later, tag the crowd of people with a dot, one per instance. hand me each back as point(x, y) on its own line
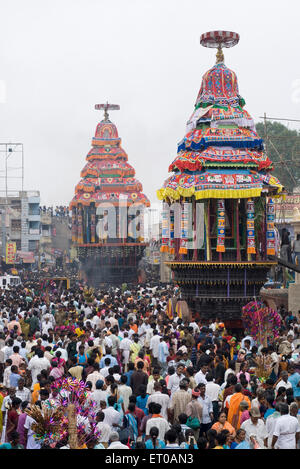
point(157, 381)
point(58, 211)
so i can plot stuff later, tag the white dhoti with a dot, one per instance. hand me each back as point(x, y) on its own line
point(125, 356)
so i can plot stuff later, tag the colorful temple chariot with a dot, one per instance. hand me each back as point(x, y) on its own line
point(108, 210)
point(222, 187)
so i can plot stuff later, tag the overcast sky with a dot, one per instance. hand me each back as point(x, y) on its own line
point(60, 57)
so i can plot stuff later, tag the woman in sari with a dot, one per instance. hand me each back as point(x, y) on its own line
point(2, 396)
point(223, 424)
point(119, 405)
point(239, 441)
point(132, 421)
point(25, 326)
point(12, 417)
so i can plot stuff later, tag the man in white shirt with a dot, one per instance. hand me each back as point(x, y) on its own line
point(176, 378)
point(115, 342)
point(163, 353)
point(125, 349)
point(8, 349)
point(270, 424)
point(159, 398)
point(7, 373)
point(200, 376)
point(99, 394)
point(195, 327)
point(103, 428)
point(230, 370)
point(38, 363)
point(32, 443)
point(142, 332)
point(148, 337)
point(207, 409)
point(21, 392)
point(154, 347)
point(287, 430)
point(212, 391)
point(115, 442)
point(95, 376)
point(111, 416)
point(248, 338)
point(125, 391)
point(87, 311)
point(95, 321)
point(46, 324)
point(157, 420)
point(283, 383)
point(64, 353)
point(29, 344)
point(255, 429)
point(104, 370)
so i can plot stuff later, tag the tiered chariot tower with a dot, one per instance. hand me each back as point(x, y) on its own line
point(108, 210)
point(221, 182)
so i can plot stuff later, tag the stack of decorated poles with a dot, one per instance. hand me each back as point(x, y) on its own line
point(263, 325)
point(67, 419)
point(218, 205)
point(108, 209)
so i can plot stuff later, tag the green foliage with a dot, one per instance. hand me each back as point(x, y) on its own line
point(287, 144)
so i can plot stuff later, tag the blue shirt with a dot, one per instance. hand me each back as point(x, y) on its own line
point(128, 374)
point(82, 358)
point(121, 321)
point(141, 403)
point(294, 380)
point(113, 361)
point(160, 444)
point(268, 413)
point(14, 379)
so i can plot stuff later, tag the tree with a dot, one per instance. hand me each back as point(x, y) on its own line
point(282, 144)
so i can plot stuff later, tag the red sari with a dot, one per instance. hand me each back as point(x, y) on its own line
point(12, 422)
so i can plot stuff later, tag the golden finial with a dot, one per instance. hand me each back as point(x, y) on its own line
point(220, 55)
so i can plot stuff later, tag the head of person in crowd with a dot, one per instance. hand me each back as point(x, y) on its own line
point(254, 415)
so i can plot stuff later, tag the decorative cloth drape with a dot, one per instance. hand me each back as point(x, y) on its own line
point(141, 225)
point(74, 224)
point(80, 225)
point(165, 228)
point(172, 239)
point(270, 227)
point(184, 228)
point(93, 224)
point(221, 225)
point(250, 227)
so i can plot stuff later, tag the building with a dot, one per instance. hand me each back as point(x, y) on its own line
point(20, 224)
point(56, 240)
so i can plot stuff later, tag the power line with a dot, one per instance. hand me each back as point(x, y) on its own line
point(277, 119)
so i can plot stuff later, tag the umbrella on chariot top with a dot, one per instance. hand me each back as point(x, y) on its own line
point(218, 40)
point(106, 106)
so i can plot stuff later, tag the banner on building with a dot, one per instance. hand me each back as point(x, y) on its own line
point(11, 250)
point(25, 257)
